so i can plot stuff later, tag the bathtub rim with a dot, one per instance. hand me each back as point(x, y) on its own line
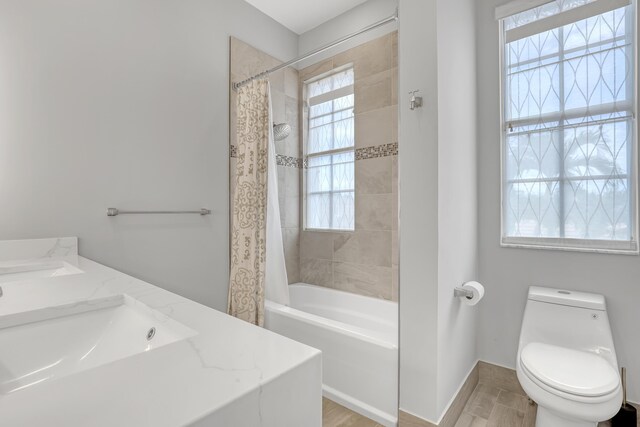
point(352, 331)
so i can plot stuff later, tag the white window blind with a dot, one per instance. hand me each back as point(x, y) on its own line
point(569, 143)
point(330, 153)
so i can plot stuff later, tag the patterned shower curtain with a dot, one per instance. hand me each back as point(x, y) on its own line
point(248, 235)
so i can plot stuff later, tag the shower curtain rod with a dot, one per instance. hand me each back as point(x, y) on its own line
point(385, 21)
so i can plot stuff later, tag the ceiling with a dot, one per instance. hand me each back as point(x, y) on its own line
point(302, 15)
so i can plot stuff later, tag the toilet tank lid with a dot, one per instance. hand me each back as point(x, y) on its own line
point(568, 298)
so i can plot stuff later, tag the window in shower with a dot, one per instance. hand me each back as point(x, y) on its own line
point(330, 152)
point(568, 137)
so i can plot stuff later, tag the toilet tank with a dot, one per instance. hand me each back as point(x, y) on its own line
point(571, 319)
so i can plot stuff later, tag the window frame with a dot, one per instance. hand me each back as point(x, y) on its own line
point(305, 148)
point(624, 247)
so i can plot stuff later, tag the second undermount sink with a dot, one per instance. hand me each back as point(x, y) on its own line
point(38, 270)
point(35, 352)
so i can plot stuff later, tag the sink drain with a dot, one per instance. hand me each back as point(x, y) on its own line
point(151, 334)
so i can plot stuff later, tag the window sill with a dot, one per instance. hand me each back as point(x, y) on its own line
point(572, 245)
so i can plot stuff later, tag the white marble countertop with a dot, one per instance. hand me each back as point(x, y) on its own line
point(177, 384)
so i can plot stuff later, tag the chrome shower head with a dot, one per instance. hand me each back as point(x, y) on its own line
point(281, 131)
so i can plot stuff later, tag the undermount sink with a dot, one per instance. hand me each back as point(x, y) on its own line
point(38, 270)
point(67, 344)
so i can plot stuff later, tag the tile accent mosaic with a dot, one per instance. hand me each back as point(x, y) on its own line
point(365, 153)
point(374, 152)
point(289, 161)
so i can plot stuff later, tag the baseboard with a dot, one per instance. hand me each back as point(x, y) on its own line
point(483, 372)
point(455, 406)
point(507, 379)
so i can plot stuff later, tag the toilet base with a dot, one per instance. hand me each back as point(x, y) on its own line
point(547, 418)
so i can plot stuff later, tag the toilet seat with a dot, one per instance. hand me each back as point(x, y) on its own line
point(569, 371)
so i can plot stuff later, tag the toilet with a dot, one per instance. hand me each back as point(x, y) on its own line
point(566, 359)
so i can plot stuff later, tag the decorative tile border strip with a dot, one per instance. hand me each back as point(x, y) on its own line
point(281, 160)
point(364, 153)
point(288, 161)
point(376, 151)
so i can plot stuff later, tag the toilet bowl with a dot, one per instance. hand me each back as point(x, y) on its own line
point(566, 360)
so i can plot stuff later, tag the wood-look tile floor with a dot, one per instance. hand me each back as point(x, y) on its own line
point(487, 406)
point(334, 415)
point(494, 407)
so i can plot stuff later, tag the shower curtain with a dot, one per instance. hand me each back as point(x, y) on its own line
point(257, 255)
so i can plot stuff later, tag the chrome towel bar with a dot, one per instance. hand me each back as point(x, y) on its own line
point(116, 212)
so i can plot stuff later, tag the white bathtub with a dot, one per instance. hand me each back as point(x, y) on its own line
point(358, 337)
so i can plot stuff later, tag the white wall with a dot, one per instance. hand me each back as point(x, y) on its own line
point(507, 272)
point(349, 22)
point(438, 219)
point(124, 103)
point(418, 176)
point(457, 193)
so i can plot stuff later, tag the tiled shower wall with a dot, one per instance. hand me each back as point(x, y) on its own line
point(246, 61)
point(364, 261)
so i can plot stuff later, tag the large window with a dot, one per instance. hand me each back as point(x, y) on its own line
point(330, 152)
point(568, 146)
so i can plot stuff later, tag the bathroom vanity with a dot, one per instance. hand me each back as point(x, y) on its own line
point(84, 345)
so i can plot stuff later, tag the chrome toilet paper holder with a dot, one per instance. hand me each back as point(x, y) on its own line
point(462, 292)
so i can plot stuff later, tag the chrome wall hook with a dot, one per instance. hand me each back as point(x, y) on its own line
point(415, 101)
